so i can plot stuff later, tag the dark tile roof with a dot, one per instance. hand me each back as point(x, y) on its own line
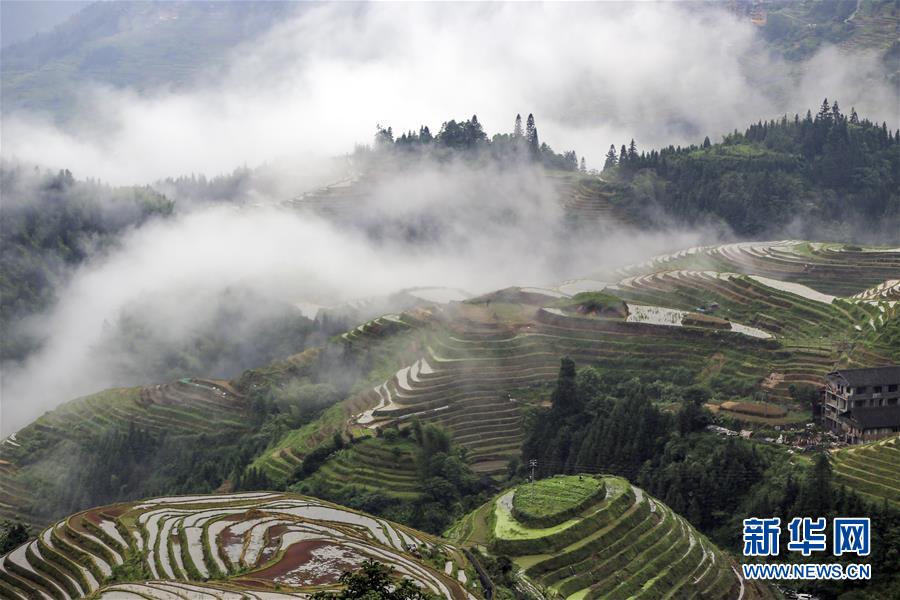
point(876, 417)
point(873, 376)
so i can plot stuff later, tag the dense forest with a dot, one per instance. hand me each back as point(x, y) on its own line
point(828, 173)
point(603, 422)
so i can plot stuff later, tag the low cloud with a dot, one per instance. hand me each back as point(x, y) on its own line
point(477, 228)
point(593, 74)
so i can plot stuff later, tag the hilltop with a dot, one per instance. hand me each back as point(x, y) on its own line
point(581, 536)
point(831, 174)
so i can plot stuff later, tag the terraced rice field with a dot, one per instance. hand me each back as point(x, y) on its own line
point(187, 407)
point(828, 268)
point(814, 335)
point(584, 199)
point(746, 317)
point(588, 200)
point(871, 469)
point(375, 465)
point(253, 543)
point(478, 355)
point(623, 544)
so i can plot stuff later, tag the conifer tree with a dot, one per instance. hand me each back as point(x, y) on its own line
point(824, 115)
point(836, 112)
point(583, 167)
point(565, 397)
point(611, 159)
point(517, 129)
point(623, 156)
point(531, 136)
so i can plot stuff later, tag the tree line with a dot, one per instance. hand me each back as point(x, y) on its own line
point(468, 139)
point(829, 167)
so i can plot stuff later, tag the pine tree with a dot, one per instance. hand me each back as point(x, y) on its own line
point(565, 397)
point(611, 159)
point(854, 118)
point(824, 115)
point(517, 129)
point(583, 167)
point(531, 136)
point(632, 152)
point(706, 142)
point(474, 133)
point(836, 112)
point(623, 156)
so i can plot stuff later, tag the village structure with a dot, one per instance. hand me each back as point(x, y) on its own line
point(862, 405)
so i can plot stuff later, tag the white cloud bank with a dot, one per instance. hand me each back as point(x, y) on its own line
point(593, 74)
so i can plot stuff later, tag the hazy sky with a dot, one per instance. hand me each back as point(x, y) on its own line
point(21, 19)
point(593, 74)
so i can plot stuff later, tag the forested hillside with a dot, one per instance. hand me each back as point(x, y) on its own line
point(828, 175)
point(52, 223)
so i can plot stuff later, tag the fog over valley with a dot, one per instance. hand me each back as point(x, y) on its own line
point(287, 107)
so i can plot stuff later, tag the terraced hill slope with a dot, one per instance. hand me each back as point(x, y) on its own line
point(586, 200)
point(33, 459)
point(220, 546)
point(871, 469)
point(376, 465)
point(743, 318)
point(604, 540)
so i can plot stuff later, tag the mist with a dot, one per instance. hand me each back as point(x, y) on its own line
point(593, 75)
point(316, 85)
point(473, 227)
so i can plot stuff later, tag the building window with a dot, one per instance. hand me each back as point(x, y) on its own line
point(892, 387)
point(861, 390)
point(876, 389)
point(859, 403)
point(892, 402)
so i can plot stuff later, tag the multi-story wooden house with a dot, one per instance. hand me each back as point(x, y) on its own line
point(862, 404)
